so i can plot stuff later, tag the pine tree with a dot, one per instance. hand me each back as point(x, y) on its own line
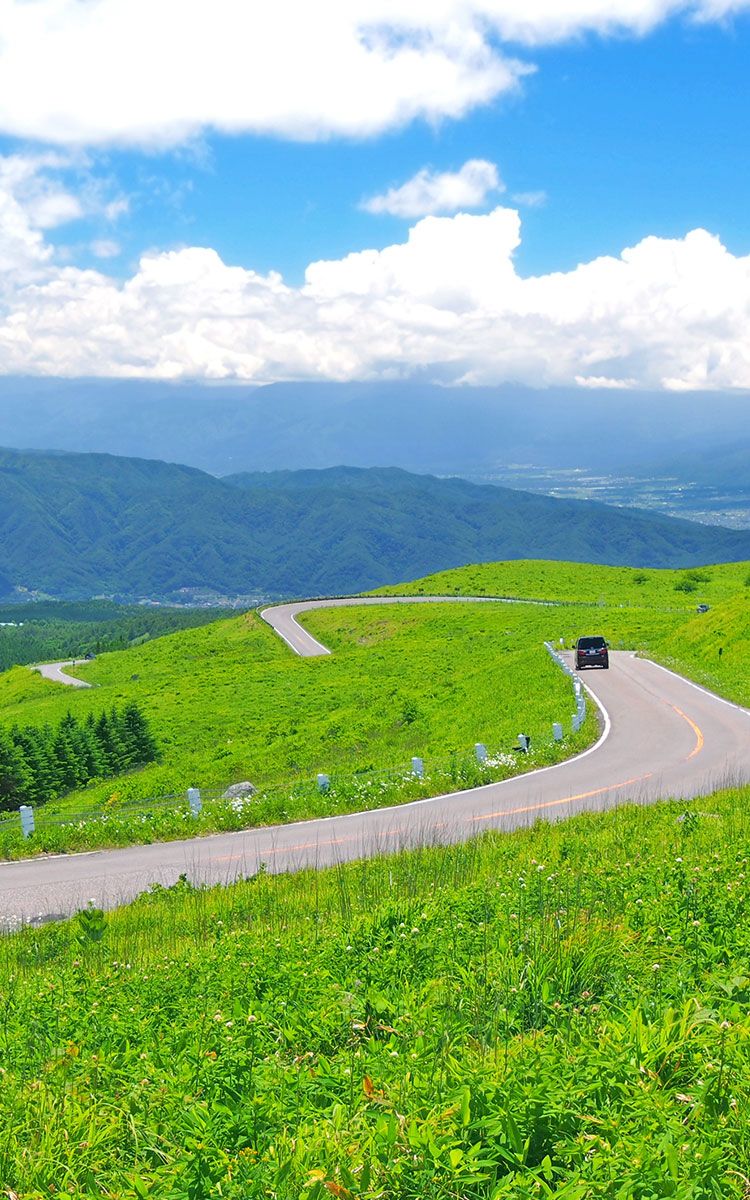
point(15, 776)
point(140, 742)
point(66, 760)
point(43, 782)
point(107, 737)
point(88, 753)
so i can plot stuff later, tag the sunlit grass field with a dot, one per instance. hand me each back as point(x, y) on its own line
point(649, 610)
point(559, 1012)
point(230, 702)
point(538, 579)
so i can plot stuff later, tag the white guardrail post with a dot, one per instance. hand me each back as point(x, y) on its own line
point(579, 716)
point(480, 752)
point(324, 783)
point(27, 819)
point(194, 800)
point(417, 768)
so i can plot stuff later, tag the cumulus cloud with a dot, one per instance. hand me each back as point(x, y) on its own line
point(116, 72)
point(447, 303)
point(429, 192)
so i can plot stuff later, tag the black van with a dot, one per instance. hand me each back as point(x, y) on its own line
point(592, 652)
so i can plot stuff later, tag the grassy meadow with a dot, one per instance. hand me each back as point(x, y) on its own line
point(584, 583)
point(649, 610)
point(558, 1012)
point(230, 702)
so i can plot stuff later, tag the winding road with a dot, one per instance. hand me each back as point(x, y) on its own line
point(662, 736)
point(54, 671)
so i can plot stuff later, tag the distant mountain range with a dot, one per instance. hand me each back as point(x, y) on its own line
point(81, 525)
point(419, 427)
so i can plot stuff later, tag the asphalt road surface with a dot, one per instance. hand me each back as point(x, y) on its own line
point(283, 617)
point(662, 736)
point(54, 671)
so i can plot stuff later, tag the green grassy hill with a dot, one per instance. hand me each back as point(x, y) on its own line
point(560, 1012)
point(229, 702)
point(47, 630)
point(656, 608)
point(584, 582)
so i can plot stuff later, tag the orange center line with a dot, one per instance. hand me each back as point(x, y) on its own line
point(526, 808)
point(506, 812)
point(699, 739)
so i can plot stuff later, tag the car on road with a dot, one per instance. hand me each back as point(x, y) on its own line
point(592, 652)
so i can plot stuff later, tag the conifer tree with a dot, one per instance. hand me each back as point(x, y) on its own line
point(41, 785)
point(65, 758)
point(109, 748)
point(137, 735)
point(15, 775)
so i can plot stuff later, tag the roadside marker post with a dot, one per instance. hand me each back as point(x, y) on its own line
point(27, 819)
point(417, 768)
point(524, 742)
point(324, 783)
point(557, 731)
point(194, 800)
point(480, 751)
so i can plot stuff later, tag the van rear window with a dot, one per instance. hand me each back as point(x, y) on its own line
point(591, 643)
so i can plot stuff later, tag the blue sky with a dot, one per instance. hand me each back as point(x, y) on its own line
point(604, 138)
point(625, 136)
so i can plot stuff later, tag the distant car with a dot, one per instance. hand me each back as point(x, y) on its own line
point(702, 608)
point(592, 652)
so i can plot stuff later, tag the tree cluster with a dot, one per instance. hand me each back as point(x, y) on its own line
point(40, 763)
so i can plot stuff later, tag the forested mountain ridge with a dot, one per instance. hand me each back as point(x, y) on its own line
point(77, 525)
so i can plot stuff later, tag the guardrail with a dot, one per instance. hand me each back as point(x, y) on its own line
point(579, 716)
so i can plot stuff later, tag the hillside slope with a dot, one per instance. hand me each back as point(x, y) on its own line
point(76, 525)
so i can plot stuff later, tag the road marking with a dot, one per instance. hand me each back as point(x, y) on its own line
point(699, 739)
point(613, 787)
point(698, 687)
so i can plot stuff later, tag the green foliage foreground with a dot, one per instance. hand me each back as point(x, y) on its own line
point(560, 1012)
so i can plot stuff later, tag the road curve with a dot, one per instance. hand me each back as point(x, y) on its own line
point(54, 671)
point(668, 738)
point(283, 617)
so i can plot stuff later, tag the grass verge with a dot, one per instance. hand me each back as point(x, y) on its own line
point(559, 1012)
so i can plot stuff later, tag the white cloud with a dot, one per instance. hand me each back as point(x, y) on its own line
point(604, 381)
point(105, 248)
point(430, 192)
point(114, 209)
point(142, 73)
point(34, 198)
point(530, 199)
point(447, 304)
